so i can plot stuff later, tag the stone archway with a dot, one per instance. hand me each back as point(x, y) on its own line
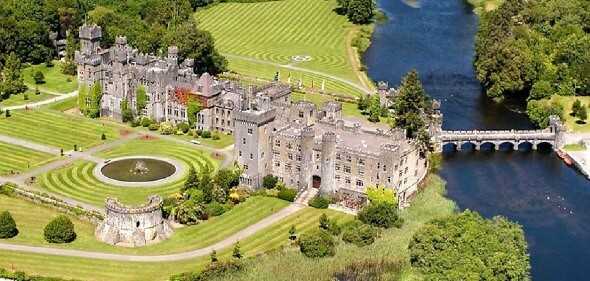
point(316, 181)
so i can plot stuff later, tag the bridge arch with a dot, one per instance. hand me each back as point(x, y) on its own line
point(506, 146)
point(487, 146)
point(525, 146)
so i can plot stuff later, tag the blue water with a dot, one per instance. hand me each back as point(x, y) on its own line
point(550, 200)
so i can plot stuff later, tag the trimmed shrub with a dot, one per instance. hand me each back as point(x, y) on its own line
point(317, 244)
point(206, 134)
point(184, 127)
point(38, 77)
point(215, 209)
point(166, 128)
point(135, 123)
point(153, 127)
point(359, 234)
point(287, 194)
point(319, 202)
point(60, 230)
point(380, 215)
point(269, 181)
point(7, 226)
point(146, 122)
point(330, 225)
point(215, 137)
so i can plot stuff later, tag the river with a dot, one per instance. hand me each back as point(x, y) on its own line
point(536, 189)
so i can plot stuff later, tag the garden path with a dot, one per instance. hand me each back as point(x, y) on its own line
point(59, 97)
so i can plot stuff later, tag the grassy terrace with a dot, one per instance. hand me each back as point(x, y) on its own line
point(274, 31)
point(285, 265)
point(16, 158)
point(20, 98)
point(55, 81)
point(184, 239)
point(56, 129)
point(570, 121)
point(77, 181)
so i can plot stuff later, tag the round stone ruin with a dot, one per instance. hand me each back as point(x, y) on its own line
point(133, 226)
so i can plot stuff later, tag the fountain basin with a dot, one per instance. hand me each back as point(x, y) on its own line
point(139, 171)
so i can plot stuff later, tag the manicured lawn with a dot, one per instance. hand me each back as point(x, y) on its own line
point(17, 158)
point(571, 121)
point(275, 31)
point(64, 105)
point(392, 245)
point(56, 129)
point(78, 182)
point(55, 81)
point(20, 98)
point(30, 225)
point(574, 147)
point(348, 109)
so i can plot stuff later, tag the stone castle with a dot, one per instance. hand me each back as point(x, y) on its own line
point(133, 227)
point(306, 146)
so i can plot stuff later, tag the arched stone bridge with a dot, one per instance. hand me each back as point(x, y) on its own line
point(551, 135)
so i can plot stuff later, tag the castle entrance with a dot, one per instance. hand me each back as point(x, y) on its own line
point(316, 181)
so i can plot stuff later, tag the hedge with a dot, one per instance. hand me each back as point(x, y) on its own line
point(59, 230)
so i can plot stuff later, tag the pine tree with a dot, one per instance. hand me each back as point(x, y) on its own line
point(582, 114)
point(292, 233)
point(11, 78)
point(7, 226)
point(213, 256)
point(192, 181)
point(237, 252)
point(411, 105)
point(324, 222)
point(576, 107)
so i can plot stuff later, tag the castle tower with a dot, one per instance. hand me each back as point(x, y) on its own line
point(253, 145)
point(305, 175)
point(90, 36)
point(328, 186)
point(172, 58)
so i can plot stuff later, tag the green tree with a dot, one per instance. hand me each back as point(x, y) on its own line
point(7, 226)
point(59, 230)
point(92, 103)
point(198, 45)
point(69, 65)
point(213, 256)
point(317, 244)
point(82, 98)
point(141, 99)
point(576, 106)
point(38, 77)
point(381, 215)
point(236, 252)
point(192, 180)
point(11, 79)
point(126, 112)
point(270, 181)
point(582, 114)
point(193, 108)
point(360, 11)
point(206, 185)
point(466, 246)
point(225, 179)
point(292, 233)
point(411, 105)
point(324, 222)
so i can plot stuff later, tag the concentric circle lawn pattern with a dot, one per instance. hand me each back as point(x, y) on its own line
point(77, 181)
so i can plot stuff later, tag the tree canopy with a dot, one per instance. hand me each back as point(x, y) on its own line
point(466, 246)
point(412, 106)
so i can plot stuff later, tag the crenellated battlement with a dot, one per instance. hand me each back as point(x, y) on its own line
point(113, 205)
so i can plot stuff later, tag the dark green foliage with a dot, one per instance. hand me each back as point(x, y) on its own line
point(7, 113)
point(214, 209)
point(103, 136)
point(7, 189)
point(192, 180)
point(89, 102)
point(270, 181)
point(535, 49)
point(357, 11)
point(214, 271)
point(7, 226)
point(576, 107)
point(466, 246)
point(225, 179)
point(69, 65)
point(213, 256)
point(168, 206)
point(146, 122)
point(126, 112)
point(412, 106)
point(582, 115)
point(329, 225)
point(540, 110)
point(317, 244)
point(320, 202)
point(206, 134)
point(359, 234)
point(60, 230)
point(38, 77)
point(153, 127)
point(192, 110)
point(21, 276)
point(183, 127)
point(287, 194)
point(11, 81)
point(141, 99)
point(381, 215)
point(189, 212)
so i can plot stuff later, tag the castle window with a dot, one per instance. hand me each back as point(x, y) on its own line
point(289, 146)
point(300, 114)
point(338, 156)
point(251, 156)
point(384, 168)
point(299, 147)
point(250, 131)
point(361, 162)
point(347, 169)
point(278, 163)
point(278, 143)
point(337, 167)
point(240, 153)
point(290, 156)
point(245, 167)
point(378, 165)
point(348, 158)
point(347, 180)
point(243, 140)
point(317, 156)
point(337, 177)
point(298, 168)
point(406, 170)
point(298, 157)
point(359, 183)
point(361, 172)
point(388, 179)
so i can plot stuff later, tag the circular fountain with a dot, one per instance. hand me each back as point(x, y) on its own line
point(138, 171)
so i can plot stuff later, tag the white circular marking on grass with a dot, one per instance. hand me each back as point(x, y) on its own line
point(300, 58)
point(177, 175)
